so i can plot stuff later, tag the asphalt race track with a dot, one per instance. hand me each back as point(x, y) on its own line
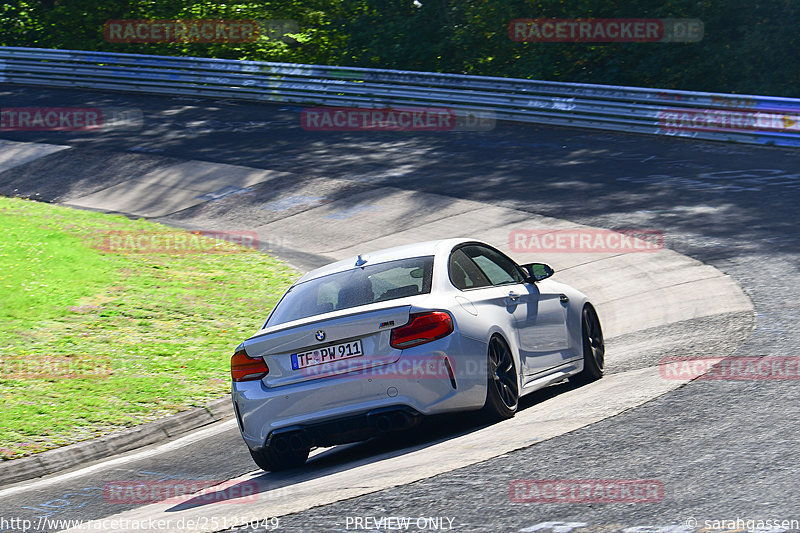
point(720, 449)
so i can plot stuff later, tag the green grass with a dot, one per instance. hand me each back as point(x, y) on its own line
point(93, 340)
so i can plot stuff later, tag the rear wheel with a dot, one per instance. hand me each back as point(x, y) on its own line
point(594, 348)
point(502, 394)
point(272, 461)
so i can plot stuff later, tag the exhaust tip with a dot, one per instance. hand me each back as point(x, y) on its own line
point(383, 423)
point(399, 420)
point(280, 444)
point(391, 420)
point(298, 441)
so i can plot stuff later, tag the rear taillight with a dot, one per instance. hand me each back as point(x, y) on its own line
point(245, 368)
point(422, 328)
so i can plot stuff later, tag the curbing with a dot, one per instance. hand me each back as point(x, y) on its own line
point(66, 457)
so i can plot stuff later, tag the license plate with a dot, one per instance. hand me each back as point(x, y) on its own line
point(320, 356)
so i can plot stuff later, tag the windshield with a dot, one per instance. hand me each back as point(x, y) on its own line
point(355, 287)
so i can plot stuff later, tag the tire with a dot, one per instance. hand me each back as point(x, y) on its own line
point(502, 392)
point(273, 461)
point(594, 348)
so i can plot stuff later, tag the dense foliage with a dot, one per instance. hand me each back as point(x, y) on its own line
point(749, 47)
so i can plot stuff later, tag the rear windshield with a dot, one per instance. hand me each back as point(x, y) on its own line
point(359, 286)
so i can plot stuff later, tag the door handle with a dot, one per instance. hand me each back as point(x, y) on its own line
point(513, 296)
point(564, 298)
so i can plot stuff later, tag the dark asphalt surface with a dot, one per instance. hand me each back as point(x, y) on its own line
point(722, 450)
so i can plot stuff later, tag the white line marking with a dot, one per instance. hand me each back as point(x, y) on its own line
point(163, 448)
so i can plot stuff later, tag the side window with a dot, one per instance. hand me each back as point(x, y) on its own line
point(464, 274)
point(499, 269)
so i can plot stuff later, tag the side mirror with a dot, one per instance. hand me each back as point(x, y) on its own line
point(538, 271)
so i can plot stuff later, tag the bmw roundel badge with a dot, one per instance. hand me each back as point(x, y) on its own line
point(320, 335)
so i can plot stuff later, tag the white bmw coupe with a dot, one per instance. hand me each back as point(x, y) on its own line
point(371, 344)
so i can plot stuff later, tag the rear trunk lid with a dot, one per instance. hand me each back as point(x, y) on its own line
point(339, 342)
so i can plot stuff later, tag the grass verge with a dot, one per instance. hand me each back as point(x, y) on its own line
point(96, 337)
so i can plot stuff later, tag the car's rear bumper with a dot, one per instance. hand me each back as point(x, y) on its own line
point(350, 428)
point(418, 383)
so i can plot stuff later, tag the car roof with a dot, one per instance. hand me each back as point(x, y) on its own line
point(418, 249)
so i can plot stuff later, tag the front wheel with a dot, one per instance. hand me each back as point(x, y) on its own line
point(502, 394)
point(594, 348)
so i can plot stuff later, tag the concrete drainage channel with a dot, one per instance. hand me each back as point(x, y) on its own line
point(651, 304)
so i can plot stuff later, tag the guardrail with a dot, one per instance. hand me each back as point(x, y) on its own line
point(726, 117)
